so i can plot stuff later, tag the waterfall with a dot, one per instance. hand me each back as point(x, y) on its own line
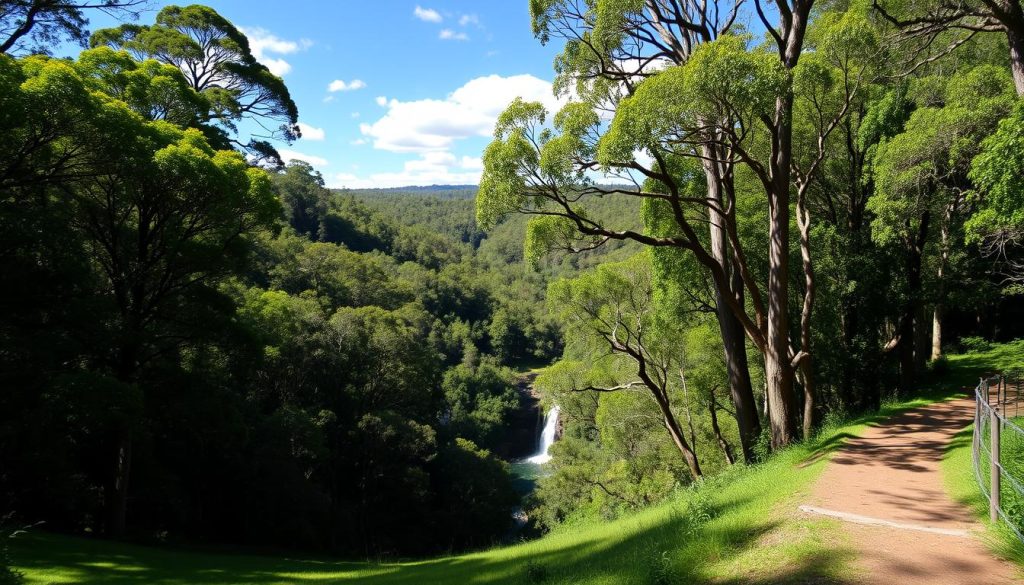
point(547, 436)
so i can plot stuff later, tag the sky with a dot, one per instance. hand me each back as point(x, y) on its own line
point(393, 93)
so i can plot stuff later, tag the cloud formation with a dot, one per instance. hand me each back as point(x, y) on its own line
point(431, 168)
point(310, 132)
point(341, 85)
point(435, 124)
point(289, 155)
point(431, 128)
point(427, 14)
point(450, 35)
point(262, 43)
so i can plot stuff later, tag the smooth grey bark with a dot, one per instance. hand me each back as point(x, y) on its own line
point(733, 336)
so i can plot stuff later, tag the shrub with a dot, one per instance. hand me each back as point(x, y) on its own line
point(939, 367)
point(975, 344)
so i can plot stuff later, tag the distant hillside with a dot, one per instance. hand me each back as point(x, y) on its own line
point(439, 191)
point(450, 210)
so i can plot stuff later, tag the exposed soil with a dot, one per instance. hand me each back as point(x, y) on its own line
point(891, 474)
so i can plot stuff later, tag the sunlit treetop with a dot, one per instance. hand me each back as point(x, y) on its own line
point(217, 62)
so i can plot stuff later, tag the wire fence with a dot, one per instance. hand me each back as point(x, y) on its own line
point(998, 447)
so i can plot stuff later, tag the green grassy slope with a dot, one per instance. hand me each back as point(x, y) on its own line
point(740, 528)
point(956, 463)
point(631, 550)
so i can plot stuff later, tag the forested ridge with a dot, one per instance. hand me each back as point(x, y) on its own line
point(744, 225)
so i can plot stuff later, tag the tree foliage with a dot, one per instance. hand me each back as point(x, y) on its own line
point(217, 62)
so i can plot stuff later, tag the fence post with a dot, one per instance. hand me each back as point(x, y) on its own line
point(993, 501)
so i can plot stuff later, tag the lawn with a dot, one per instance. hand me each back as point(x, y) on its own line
point(738, 528)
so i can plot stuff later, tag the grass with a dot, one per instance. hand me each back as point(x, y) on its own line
point(957, 467)
point(736, 528)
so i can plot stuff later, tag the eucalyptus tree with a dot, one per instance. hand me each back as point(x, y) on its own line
point(726, 104)
point(216, 60)
point(612, 311)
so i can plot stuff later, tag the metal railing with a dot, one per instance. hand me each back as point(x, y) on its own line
point(998, 447)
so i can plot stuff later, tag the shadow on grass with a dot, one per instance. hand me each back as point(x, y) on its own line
point(816, 569)
point(653, 548)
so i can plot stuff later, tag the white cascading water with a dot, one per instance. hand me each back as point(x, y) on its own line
point(547, 437)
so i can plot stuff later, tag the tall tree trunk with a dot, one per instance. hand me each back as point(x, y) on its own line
point(923, 336)
point(117, 491)
point(907, 332)
point(741, 390)
point(1015, 37)
point(733, 336)
point(778, 371)
point(906, 351)
point(807, 381)
point(939, 310)
point(126, 371)
point(803, 221)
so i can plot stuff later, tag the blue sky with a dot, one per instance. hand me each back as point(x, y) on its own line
point(394, 93)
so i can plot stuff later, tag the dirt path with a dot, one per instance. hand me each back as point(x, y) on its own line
point(887, 488)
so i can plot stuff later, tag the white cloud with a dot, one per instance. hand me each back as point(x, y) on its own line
point(428, 129)
point(431, 168)
point(471, 110)
point(466, 19)
point(472, 163)
point(355, 115)
point(341, 85)
point(358, 142)
point(278, 67)
point(288, 155)
point(263, 42)
point(427, 14)
point(311, 133)
point(450, 35)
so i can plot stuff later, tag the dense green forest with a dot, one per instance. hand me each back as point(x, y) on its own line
point(729, 236)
